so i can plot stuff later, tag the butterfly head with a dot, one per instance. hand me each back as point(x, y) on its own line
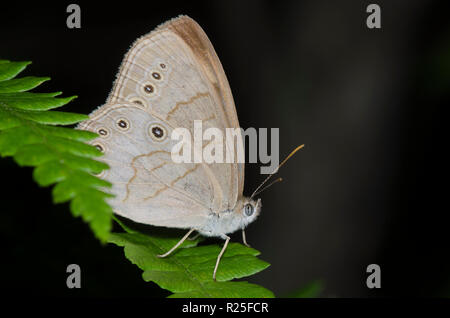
point(248, 209)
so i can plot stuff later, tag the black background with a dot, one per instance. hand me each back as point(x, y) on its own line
point(369, 187)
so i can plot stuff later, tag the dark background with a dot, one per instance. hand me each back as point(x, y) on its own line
point(369, 187)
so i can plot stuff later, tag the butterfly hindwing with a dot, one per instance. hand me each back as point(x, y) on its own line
point(149, 187)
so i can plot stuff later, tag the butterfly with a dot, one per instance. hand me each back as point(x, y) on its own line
point(168, 79)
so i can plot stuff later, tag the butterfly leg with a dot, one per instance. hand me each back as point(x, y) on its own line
point(178, 244)
point(227, 239)
point(194, 237)
point(244, 239)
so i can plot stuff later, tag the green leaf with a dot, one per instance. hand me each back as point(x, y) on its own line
point(31, 134)
point(9, 70)
point(311, 290)
point(227, 290)
point(33, 101)
point(48, 118)
point(21, 84)
point(187, 272)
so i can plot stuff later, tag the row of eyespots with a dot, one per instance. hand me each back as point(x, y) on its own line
point(149, 88)
point(122, 124)
point(156, 131)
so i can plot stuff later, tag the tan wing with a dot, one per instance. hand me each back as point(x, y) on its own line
point(175, 72)
point(169, 78)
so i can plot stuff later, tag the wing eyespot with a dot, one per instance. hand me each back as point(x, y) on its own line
point(157, 76)
point(149, 89)
point(99, 147)
point(123, 124)
point(100, 175)
point(157, 132)
point(139, 102)
point(103, 132)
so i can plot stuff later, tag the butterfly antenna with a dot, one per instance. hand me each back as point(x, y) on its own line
point(274, 172)
point(269, 185)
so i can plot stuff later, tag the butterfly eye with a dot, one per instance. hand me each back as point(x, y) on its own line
point(123, 124)
point(248, 209)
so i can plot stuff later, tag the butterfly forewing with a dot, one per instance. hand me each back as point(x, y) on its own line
point(169, 78)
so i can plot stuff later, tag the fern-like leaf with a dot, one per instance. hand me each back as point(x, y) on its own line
point(187, 272)
point(30, 133)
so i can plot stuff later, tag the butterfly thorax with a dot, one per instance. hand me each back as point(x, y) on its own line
point(228, 221)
